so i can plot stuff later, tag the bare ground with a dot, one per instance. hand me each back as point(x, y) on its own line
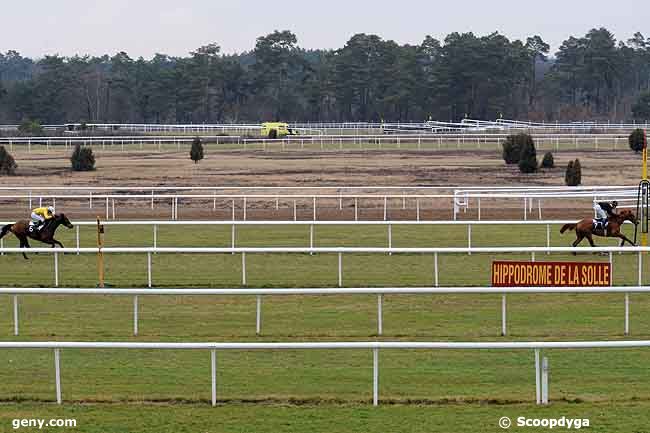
point(306, 168)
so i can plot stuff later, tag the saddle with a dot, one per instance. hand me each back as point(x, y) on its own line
point(600, 224)
point(34, 226)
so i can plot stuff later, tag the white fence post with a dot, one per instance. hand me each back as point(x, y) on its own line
point(340, 270)
point(15, 314)
point(135, 315)
point(380, 325)
point(545, 381)
point(56, 269)
point(435, 270)
point(356, 209)
point(504, 327)
point(258, 316)
point(311, 237)
point(213, 362)
point(375, 377)
point(243, 269)
point(148, 269)
point(627, 314)
point(57, 374)
point(245, 206)
point(538, 393)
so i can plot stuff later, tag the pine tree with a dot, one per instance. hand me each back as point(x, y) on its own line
point(7, 163)
point(82, 159)
point(196, 153)
point(573, 174)
point(548, 161)
point(528, 158)
point(636, 140)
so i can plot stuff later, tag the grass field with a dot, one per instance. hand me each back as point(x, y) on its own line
point(446, 391)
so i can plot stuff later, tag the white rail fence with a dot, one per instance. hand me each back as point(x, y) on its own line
point(541, 364)
point(379, 292)
point(339, 251)
point(241, 203)
point(387, 225)
point(429, 142)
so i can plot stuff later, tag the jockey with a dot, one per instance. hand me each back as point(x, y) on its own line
point(604, 210)
point(41, 214)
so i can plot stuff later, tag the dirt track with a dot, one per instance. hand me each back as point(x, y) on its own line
point(301, 168)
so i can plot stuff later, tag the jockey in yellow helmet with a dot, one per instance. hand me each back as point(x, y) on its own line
point(41, 214)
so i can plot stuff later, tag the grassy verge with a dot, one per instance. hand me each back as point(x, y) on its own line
point(155, 391)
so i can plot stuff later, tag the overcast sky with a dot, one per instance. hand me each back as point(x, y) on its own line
point(146, 27)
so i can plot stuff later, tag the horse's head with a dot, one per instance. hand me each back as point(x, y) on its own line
point(62, 219)
point(628, 215)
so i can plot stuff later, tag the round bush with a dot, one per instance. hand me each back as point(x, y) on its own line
point(636, 140)
point(82, 159)
point(548, 161)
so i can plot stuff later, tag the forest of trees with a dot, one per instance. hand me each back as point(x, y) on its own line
point(593, 77)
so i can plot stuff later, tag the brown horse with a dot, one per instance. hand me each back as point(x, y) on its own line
point(585, 228)
point(45, 234)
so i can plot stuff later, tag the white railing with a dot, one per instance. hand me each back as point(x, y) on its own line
point(388, 225)
point(465, 125)
point(463, 196)
point(428, 141)
point(379, 292)
point(340, 251)
point(174, 200)
point(541, 364)
point(459, 200)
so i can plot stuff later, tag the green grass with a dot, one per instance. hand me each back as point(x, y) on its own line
point(234, 418)
point(156, 391)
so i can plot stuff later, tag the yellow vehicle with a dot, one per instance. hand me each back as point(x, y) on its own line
point(277, 130)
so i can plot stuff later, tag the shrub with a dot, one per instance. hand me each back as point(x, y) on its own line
point(573, 175)
point(528, 158)
point(511, 149)
point(196, 153)
point(636, 140)
point(82, 159)
point(513, 146)
point(548, 161)
point(7, 163)
point(30, 127)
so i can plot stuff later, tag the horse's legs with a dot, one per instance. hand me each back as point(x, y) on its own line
point(590, 238)
point(24, 244)
point(624, 239)
point(57, 243)
point(579, 237)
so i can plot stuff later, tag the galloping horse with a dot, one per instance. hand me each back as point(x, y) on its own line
point(585, 228)
point(45, 234)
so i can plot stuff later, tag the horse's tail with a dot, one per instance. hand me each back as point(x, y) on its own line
point(5, 230)
point(566, 227)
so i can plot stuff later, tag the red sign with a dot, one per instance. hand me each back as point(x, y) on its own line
point(551, 274)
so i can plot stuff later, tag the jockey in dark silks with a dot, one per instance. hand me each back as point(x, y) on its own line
point(604, 210)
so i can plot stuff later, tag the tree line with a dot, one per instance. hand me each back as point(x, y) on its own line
point(369, 79)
